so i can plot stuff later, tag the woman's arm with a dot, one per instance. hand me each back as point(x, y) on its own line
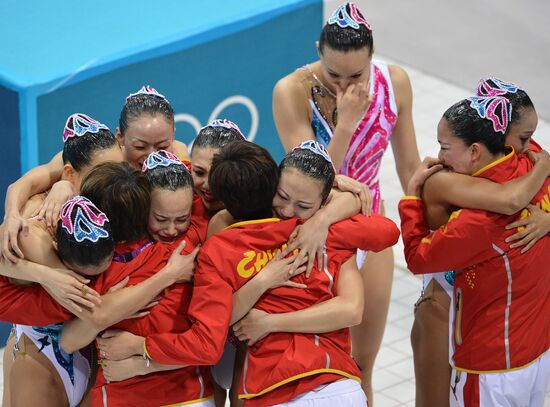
point(291, 115)
point(65, 285)
point(119, 305)
point(311, 236)
point(275, 274)
point(290, 112)
point(342, 311)
point(118, 370)
point(464, 191)
point(37, 180)
point(403, 139)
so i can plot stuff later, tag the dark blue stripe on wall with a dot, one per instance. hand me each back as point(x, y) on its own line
point(9, 143)
point(10, 156)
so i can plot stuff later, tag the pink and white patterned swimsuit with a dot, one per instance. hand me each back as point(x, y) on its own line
point(372, 135)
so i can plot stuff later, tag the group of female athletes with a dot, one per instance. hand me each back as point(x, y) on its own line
point(137, 277)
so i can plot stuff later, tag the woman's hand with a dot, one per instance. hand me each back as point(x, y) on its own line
point(279, 270)
point(310, 239)
point(352, 103)
point(181, 267)
point(530, 228)
point(13, 224)
point(70, 290)
point(116, 344)
point(427, 168)
point(118, 370)
point(542, 158)
point(253, 327)
point(60, 193)
point(347, 184)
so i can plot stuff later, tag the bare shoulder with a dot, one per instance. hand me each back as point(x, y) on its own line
point(37, 244)
point(400, 82)
point(399, 76)
point(180, 149)
point(289, 87)
point(33, 204)
point(219, 222)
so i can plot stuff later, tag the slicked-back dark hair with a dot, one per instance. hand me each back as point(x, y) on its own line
point(216, 137)
point(141, 104)
point(244, 177)
point(86, 252)
point(471, 128)
point(171, 177)
point(313, 165)
point(79, 151)
point(345, 39)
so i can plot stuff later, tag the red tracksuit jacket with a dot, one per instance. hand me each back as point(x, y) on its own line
point(502, 297)
point(282, 365)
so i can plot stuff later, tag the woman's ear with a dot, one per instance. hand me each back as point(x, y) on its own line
point(318, 49)
point(119, 137)
point(54, 244)
point(475, 152)
point(69, 173)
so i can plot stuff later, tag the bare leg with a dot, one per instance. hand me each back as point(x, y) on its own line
point(430, 344)
point(220, 394)
point(34, 381)
point(377, 272)
point(237, 370)
point(6, 365)
point(86, 400)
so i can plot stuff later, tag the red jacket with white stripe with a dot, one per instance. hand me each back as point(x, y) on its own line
point(186, 385)
point(282, 365)
point(502, 297)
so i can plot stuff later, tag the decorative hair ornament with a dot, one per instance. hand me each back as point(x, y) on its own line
point(497, 109)
point(87, 223)
point(81, 124)
point(353, 19)
point(495, 87)
point(160, 158)
point(316, 148)
point(147, 90)
point(227, 124)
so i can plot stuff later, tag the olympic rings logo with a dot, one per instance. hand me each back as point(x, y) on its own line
point(232, 100)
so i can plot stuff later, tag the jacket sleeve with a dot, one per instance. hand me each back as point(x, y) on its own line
point(460, 243)
point(29, 305)
point(373, 233)
point(209, 314)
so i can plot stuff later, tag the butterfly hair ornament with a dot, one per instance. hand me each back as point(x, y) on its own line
point(147, 90)
point(83, 220)
point(316, 148)
point(497, 109)
point(160, 158)
point(227, 124)
point(79, 124)
point(495, 87)
point(354, 18)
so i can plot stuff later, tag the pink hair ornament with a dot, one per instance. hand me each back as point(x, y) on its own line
point(79, 124)
point(227, 124)
point(160, 158)
point(316, 148)
point(146, 90)
point(495, 87)
point(88, 221)
point(497, 109)
point(354, 18)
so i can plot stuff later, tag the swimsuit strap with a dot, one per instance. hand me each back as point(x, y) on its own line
point(128, 257)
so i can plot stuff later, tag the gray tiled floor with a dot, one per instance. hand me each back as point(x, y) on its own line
point(394, 374)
